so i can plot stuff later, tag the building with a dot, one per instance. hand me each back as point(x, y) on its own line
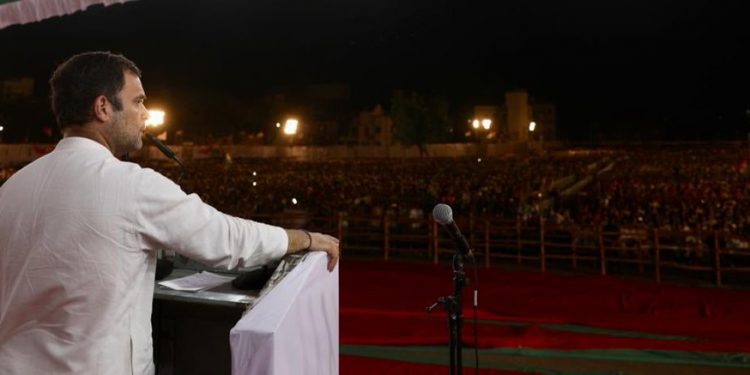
point(16, 88)
point(518, 117)
point(374, 128)
point(544, 114)
point(511, 121)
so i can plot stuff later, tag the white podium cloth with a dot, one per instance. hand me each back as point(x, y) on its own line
point(294, 328)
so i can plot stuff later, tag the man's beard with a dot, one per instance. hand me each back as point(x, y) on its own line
point(124, 138)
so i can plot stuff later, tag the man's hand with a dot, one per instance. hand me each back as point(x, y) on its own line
point(329, 244)
point(300, 240)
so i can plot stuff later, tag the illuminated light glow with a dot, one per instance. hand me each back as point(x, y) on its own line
point(255, 173)
point(290, 126)
point(479, 160)
point(532, 126)
point(2, 128)
point(294, 200)
point(475, 124)
point(155, 118)
point(255, 183)
point(278, 124)
point(486, 123)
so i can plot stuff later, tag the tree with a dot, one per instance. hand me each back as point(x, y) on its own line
point(418, 120)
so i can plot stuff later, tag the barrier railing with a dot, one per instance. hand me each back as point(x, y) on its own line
point(537, 241)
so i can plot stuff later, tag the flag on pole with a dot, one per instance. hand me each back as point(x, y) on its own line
point(18, 12)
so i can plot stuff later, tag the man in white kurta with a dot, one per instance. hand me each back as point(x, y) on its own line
point(78, 230)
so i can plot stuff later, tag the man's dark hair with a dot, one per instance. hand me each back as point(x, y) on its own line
point(80, 79)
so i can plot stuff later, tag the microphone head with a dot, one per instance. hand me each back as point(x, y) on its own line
point(442, 213)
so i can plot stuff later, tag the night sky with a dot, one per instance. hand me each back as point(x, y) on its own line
point(612, 67)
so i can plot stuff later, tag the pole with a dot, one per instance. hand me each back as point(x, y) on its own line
point(454, 308)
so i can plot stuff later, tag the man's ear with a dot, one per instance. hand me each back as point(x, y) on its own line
point(102, 108)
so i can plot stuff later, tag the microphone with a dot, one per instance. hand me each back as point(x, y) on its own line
point(443, 215)
point(164, 148)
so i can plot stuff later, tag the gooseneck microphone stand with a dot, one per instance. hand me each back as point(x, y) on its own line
point(164, 265)
point(164, 149)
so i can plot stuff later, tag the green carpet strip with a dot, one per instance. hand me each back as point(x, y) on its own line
point(430, 355)
point(671, 357)
point(589, 330)
point(488, 357)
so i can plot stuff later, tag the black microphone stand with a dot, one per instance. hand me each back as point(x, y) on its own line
point(454, 308)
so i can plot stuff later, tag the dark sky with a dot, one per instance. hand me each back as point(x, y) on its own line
point(615, 64)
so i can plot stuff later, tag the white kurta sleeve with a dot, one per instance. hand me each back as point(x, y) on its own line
point(167, 218)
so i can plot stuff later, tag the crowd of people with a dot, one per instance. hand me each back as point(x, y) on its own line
point(672, 189)
point(495, 187)
point(677, 188)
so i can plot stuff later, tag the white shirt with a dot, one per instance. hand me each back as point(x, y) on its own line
point(77, 232)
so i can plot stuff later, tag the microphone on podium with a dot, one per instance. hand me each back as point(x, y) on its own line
point(443, 215)
point(164, 266)
point(164, 148)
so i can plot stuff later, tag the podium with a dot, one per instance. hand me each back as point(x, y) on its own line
point(293, 328)
point(289, 327)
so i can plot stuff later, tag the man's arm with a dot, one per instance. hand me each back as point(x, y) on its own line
point(167, 218)
point(300, 240)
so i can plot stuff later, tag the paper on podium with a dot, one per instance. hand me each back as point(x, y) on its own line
point(197, 281)
point(294, 328)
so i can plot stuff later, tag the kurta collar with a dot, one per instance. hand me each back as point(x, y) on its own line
point(80, 142)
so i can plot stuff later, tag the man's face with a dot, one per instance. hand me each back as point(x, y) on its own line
point(128, 124)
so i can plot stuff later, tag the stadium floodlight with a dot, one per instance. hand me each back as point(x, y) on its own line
point(155, 118)
point(486, 123)
point(290, 126)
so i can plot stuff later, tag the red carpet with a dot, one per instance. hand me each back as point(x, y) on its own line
point(383, 304)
